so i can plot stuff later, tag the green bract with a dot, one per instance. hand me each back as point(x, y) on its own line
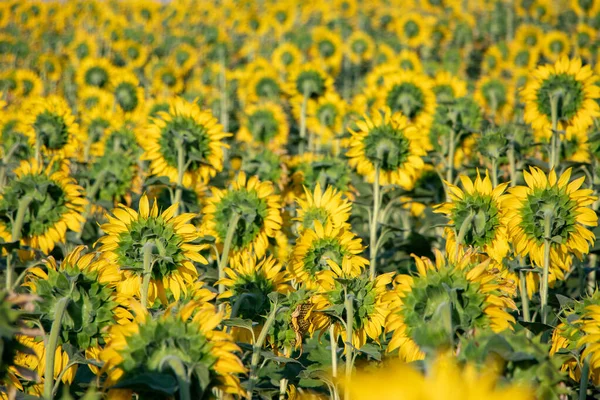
point(387, 147)
point(263, 125)
point(362, 291)
point(570, 93)
point(407, 98)
point(51, 130)
point(553, 200)
point(194, 138)
point(311, 83)
point(485, 218)
point(320, 252)
point(126, 96)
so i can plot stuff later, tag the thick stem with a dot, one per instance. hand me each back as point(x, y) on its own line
point(333, 342)
point(462, 232)
point(545, 272)
point(61, 308)
point(373, 226)
point(494, 171)
point(555, 142)
point(283, 383)
point(147, 272)
point(233, 221)
point(585, 378)
point(303, 123)
point(90, 196)
point(180, 173)
point(512, 164)
point(450, 160)
point(224, 113)
point(349, 304)
point(524, 296)
point(257, 347)
point(183, 379)
point(591, 278)
point(16, 236)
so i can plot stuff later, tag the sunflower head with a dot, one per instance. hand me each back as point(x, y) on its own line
point(50, 202)
point(324, 206)
point(131, 237)
point(550, 207)
point(263, 163)
point(309, 81)
point(446, 299)
point(254, 205)
point(476, 214)
point(411, 94)
point(264, 123)
point(309, 169)
point(90, 310)
point(387, 143)
point(184, 338)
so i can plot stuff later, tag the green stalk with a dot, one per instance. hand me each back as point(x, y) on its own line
point(591, 278)
point(373, 225)
point(349, 304)
point(460, 236)
point(555, 142)
point(283, 383)
point(585, 378)
point(257, 347)
point(233, 221)
point(183, 379)
point(512, 164)
point(61, 308)
point(524, 297)
point(224, 113)
point(544, 282)
point(16, 236)
point(147, 272)
point(303, 122)
point(180, 173)
point(90, 196)
point(333, 341)
point(450, 160)
point(494, 171)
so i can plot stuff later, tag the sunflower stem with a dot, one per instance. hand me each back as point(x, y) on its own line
point(462, 232)
point(555, 141)
point(591, 278)
point(545, 272)
point(257, 347)
point(450, 160)
point(512, 164)
point(147, 272)
point(333, 341)
point(283, 383)
point(373, 225)
point(61, 308)
point(303, 122)
point(233, 221)
point(349, 305)
point(223, 81)
point(585, 378)
point(180, 173)
point(90, 196)
point(183, 380)
point(16, 236)
point(494, 168)
point(524, 296)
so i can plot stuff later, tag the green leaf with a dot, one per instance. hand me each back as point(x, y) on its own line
point(371, 350)
point(536, 327)
point(150, 380)
point(564, 301)
point(239, 323)
point(270, 356)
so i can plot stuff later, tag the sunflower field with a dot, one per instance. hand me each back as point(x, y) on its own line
point(299, 199)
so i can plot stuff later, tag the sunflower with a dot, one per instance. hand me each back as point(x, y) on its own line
point(423, 316)
point(168, 241)
point(184, 56)
point(575, 146)
point(166, 79)
point(265, 124)
point(550, 204)
point(188, 130)
point(583, 41)
point(585, 8)
point(496, 96)
point(308, 80)
point(95, 72)
point(523, 58)
point(248, 282)
point(28, 84)
point(186, 339)
point(572, 86)
point(443, 380)
point(492, 61)
point(267, 165)
point(324, 206)
point(286, 57)
point(323, 253)
point(127, 92)
point(387, 143)
point(254, 205)
point(51, 127)
point(578, 333)
point(91, 97)
point(370, 306)
point(281, 17)
point(326, 117)
point(477, 214)
point(49, 66)
point(82, 46)
point(91, 308)
point(413, 29)
point(411, 94)
point(448, 87)
point(407, 60)
point(263, 84)
point(556, 45)
point(529, 36)
point(360, 47)
point(95, 125)
point(51, 203)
